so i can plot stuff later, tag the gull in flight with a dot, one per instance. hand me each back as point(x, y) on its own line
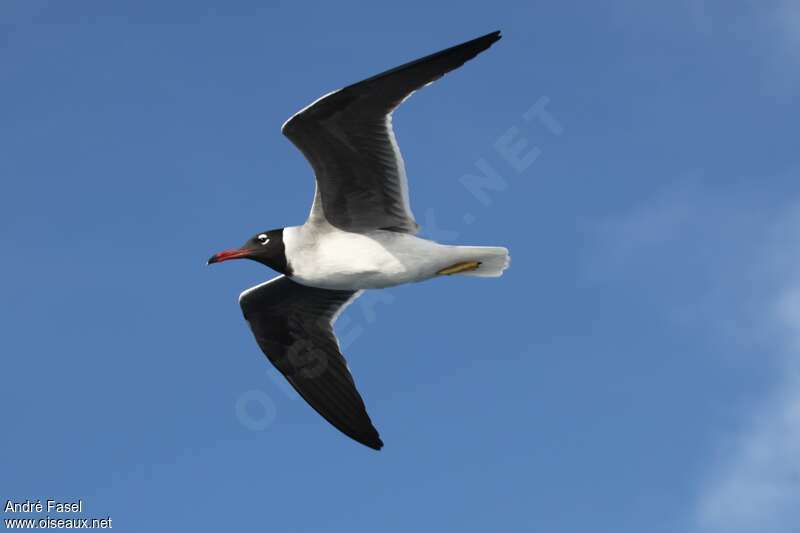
point(359, 235)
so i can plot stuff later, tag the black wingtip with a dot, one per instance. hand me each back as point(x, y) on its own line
point(370, 441)
point(492, 37)
point(478, 44)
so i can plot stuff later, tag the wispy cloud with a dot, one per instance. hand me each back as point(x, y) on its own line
point(752, 284)
point(755, 485)
point(620, 239)
point(777, 37)
point(788, 19)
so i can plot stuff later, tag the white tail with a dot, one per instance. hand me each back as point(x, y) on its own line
point(493, 260)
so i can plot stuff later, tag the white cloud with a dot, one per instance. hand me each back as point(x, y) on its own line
point(618, 240)
point(788, 19)
point(777, 39)
point(755, 487)
point(752, 484)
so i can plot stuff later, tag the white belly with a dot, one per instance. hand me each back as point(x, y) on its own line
point(333, 259)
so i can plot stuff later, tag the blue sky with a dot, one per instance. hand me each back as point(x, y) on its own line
point(637, 368)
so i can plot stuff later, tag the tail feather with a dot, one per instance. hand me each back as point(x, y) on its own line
point(493, 260)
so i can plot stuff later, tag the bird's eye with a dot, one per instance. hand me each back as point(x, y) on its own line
point(263, 239)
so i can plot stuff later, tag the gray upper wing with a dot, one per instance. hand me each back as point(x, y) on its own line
point(348, 139)
point(293, 326)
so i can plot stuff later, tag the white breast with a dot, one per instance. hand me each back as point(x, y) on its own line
point(325, 257)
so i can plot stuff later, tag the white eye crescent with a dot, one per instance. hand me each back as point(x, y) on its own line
point(263, 239)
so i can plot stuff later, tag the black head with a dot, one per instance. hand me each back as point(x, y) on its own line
point(266, 247)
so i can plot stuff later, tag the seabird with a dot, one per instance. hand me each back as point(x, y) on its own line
point(359, 235)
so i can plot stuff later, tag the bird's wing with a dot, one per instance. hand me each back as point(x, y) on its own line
point(347, 137)
point(293, 326)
